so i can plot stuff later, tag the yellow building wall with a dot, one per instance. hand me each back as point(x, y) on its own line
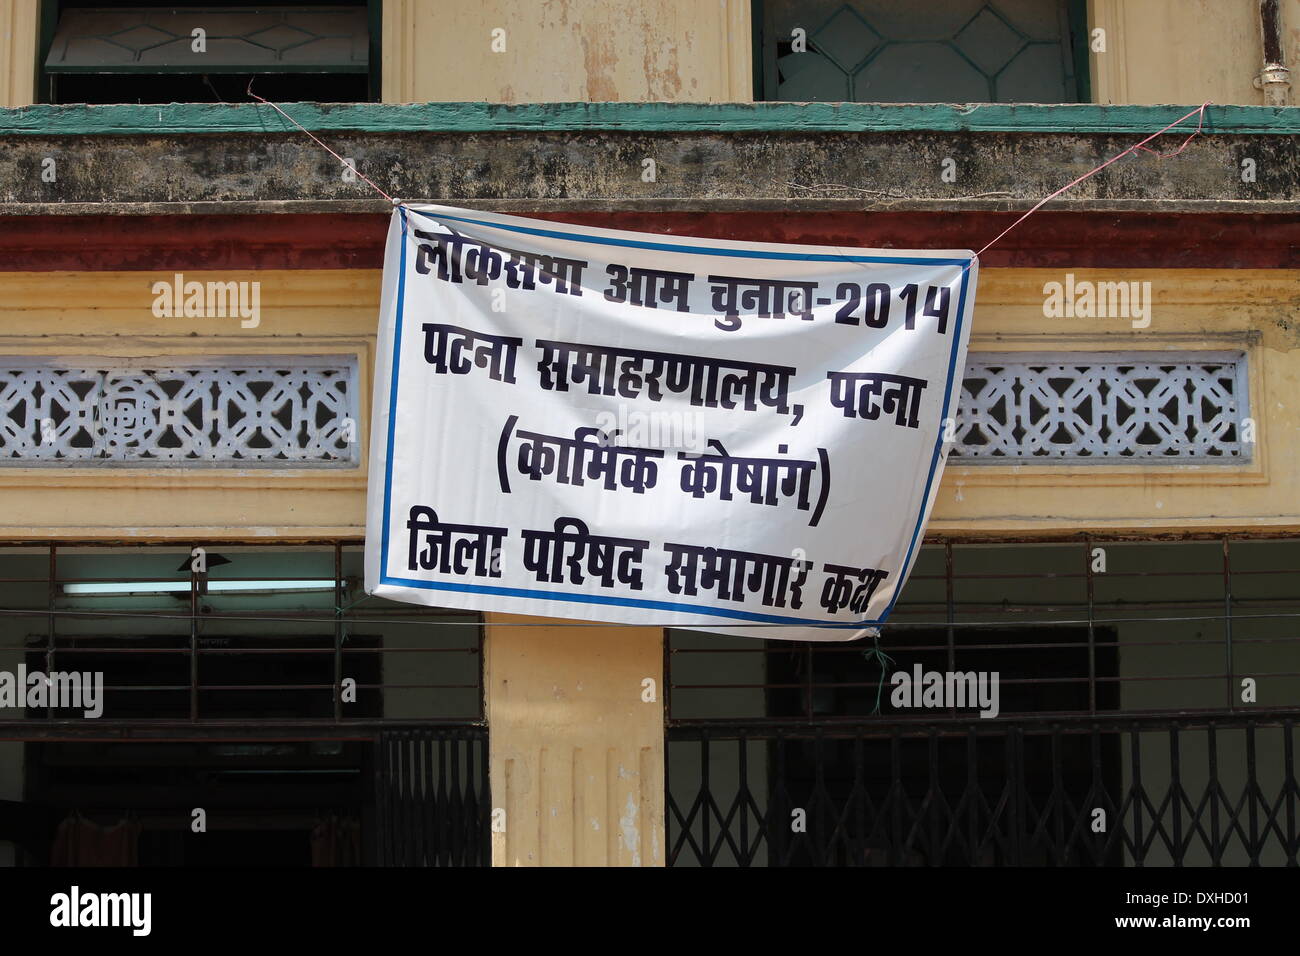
point(567, 50)
point(1252, 311)
point(110, 313)
point(557, 51)
point(1184, 51)
point(1157, 51)
point(19, 32)
point(577, 752)
point(577, 762)
point(333, 312)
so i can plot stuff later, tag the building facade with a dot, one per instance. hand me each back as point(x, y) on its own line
point(183, 474)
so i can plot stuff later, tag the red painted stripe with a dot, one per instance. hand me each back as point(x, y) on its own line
point(300, 241)
point(154, 243)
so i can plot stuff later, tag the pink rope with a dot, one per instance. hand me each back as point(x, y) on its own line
point(1134, 148)
point(1142, 146)
point(318, 142)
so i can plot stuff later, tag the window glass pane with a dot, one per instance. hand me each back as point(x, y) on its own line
point(879, 51)
point(211, 40)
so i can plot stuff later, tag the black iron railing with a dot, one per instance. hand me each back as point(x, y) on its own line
point(221, 633)
point(431, 797)
point(1111, 791)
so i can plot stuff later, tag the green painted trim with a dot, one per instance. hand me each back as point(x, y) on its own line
point(176, 118)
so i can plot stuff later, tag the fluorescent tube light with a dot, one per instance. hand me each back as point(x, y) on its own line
point(173, 587)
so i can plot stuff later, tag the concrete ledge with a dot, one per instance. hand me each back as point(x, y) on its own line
point(790, 169)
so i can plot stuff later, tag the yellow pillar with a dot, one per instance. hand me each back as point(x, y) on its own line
point(19, 25)
point(577, 742)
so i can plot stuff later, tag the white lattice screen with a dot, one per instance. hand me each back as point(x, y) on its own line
point(264, 410)
point(1065, 407)
point(1100, 407)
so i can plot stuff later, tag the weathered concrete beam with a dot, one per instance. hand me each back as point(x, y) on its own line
point(503, 166)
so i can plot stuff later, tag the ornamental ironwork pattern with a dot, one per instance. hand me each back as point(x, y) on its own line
point(233, 39)
point(1102, 408)
point(881, 51)
point(977, 793)
point(299, 413)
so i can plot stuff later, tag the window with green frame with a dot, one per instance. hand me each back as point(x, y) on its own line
point(940, 51)
point(128, 51)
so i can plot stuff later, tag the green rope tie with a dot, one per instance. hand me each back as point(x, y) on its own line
point(876, 654)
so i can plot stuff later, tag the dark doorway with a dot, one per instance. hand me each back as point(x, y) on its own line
point(262, 804)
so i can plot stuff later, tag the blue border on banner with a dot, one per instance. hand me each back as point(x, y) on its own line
point(392, 402)
point(537, 594)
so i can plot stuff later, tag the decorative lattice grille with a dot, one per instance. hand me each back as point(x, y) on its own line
point(1103, 407)
point(300, 412)
point(952, 51)
point(158, 39)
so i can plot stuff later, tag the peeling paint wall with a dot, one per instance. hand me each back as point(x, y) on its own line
point(701, 50)
point(1184, 51)
point(567, 50)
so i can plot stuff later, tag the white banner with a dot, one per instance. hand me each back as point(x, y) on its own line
point(740, 437)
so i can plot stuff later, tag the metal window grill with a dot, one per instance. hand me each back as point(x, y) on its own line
point(161, 39)
point(301, 412)
point(242, 663)
point(1104, 408)
point(266, 635)
point(1156, 681)
point(878, 51)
